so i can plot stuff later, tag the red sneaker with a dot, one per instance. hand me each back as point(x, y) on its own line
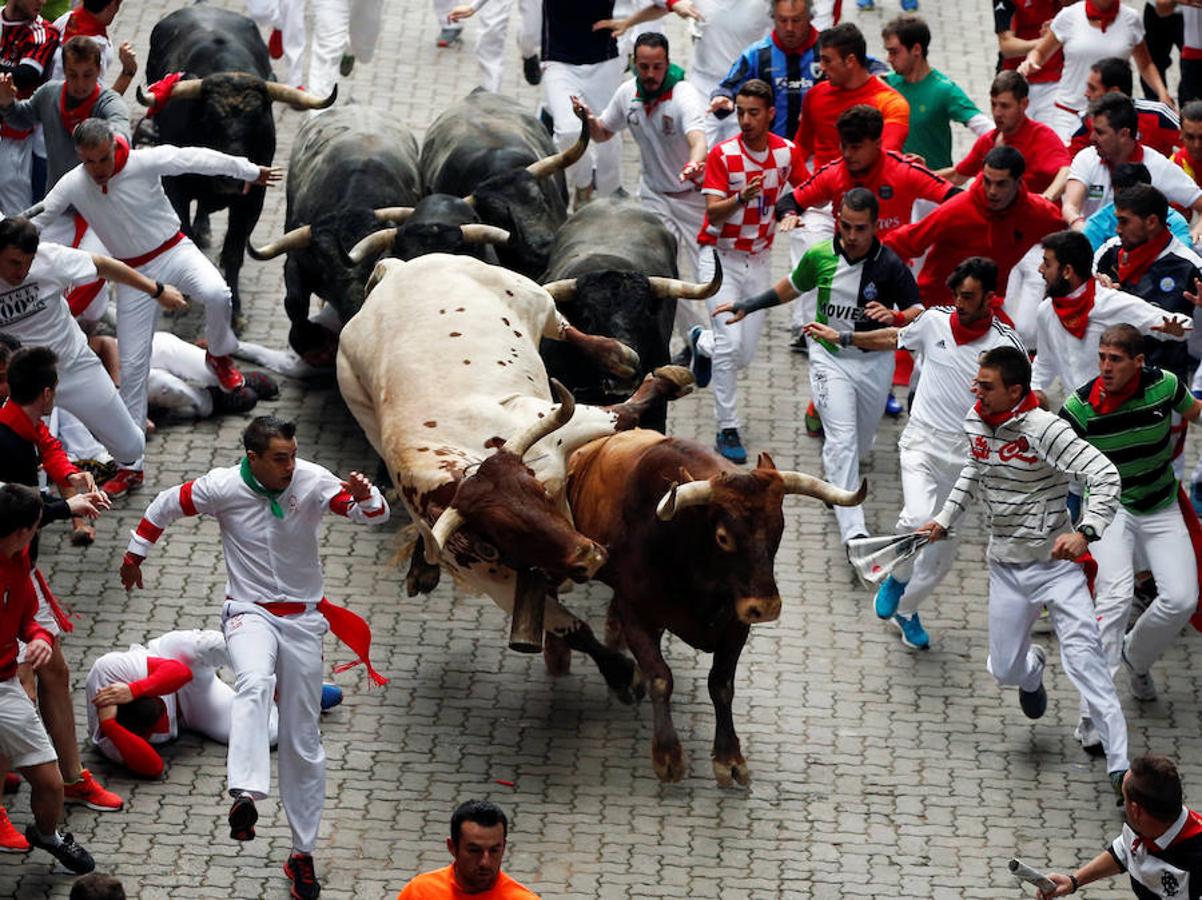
point(89, 792)
point(11, 840)
point(12, 783)
point(228, 376)
point(275, 44)
point(299, 870)
point(124, 482)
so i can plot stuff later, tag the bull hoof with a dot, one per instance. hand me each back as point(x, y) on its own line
point(557, 655)
point(670, 763)
point(729, 771)
point(624, 362)
point(422, 578)
point(679, 379)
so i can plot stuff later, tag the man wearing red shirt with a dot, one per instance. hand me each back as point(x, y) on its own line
point(997, 217)
point(1159, 125)
point(1019, 24)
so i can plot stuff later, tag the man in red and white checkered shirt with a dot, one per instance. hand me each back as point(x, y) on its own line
point(744, 177)
point(27, 46)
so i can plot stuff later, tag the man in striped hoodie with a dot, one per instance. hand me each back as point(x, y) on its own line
point(1020, 461)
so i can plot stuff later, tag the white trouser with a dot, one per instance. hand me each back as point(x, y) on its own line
point(16, 175)
point(1164, 540)
point(930, 464)
point(816, 225)
point(490, 42)
point(824, 14)
point(1017, 595)
point(176, 366)
point(74, 435)
point(1025, 290)
point(682, 214)
point(341, 26)
point(595, 85)
point(850, 394)
point(288, 16)
point(278, 655)
point(189, 270)
point(1040, 102)
point(86, 390)
point(732, 347)
point(1064, 122)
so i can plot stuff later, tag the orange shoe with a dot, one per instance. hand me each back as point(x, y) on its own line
point(89, 792)
point(11, 840)
point(124, 482)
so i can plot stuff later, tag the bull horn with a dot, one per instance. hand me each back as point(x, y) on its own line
point(520, 443)
point(375, 243)
point(688, 290)
point(549, 165)
point(186, 89)
point(296, 98)
point(797, 483)
point(561, 291)
point(484, 234)
point(444, 529)
point(393, 213)
point(296, 239)
point(470, 200)
point(682, 496)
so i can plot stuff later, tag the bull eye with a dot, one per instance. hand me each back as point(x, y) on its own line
point(724, 539)
point(487, 551)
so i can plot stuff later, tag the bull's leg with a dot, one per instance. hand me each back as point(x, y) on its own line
point(729, 764)
point(614, 638)
point(182, 204)
point(244, 213)
point(606, 353)
point(557, 655)
point(667, 756)
point(616, 668)
point(422, 577)
point(314, 344)
point(650, 400)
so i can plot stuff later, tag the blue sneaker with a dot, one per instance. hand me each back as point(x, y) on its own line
point(909, 5)
point(729, 445)
point(331, 696)
point(702, 365)
point(893, 409)
point(865, 4)
point(1195, 497)
point(913, 635)
point(888, 596)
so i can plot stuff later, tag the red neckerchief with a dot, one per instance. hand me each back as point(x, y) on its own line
point(1073, 311)
point(993, 420)
point(82, 22)
point(14, 417)
point(73, 116)
point(1134, 263)
point(1105, 403)
point(120, 158)
point(1137, 155)
point(810, 41)
point(966, 334)
point(1104, 17)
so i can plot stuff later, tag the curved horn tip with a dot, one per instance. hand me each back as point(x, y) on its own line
point(862, 492)
point(665, 510)
point(565, 397)
point(376, 242)
point(257, 254)
point(143, 99)
point(329, 101)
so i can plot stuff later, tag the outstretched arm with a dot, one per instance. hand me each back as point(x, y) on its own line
point(360, 501)
point(192, 498)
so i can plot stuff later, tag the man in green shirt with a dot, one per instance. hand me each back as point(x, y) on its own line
point(1127, 412)
point(935, 100)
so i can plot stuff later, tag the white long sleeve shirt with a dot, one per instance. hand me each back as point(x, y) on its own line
point(131, 214)
point(267, 559)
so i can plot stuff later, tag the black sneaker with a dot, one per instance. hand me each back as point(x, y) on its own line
point(346, 65)
point(1034, 703)
point(262, 384)
point(300, 872)
point(66, 851)
point(532, 69)
point(240, 401)
point(702, 365)
point(243, 816)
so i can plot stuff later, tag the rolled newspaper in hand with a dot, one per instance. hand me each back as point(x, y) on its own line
point(1023, 872)
point(875, 557)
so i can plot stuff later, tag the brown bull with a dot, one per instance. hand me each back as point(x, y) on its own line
point(692, 541)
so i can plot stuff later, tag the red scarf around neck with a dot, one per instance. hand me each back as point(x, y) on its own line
point(1073, 312)
point(810, 41)
point(966, 334)
point(993, 420)
point(120, 158)
point(1104, 403)
point(1104, 17)
point(1134, 263)
point(82, 22)
point(72, 116)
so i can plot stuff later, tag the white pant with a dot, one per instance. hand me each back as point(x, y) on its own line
point(490, 42)
point(732, 347)
point(278, 655)
point(850, 394)
point(341, 26)
point(817, 225)
point(137, 314)
point(288, 16)
point(930, 464)
point(1040, 102)
point(86, 390)
point(16, 175)
point(1017, 595)
point(1064, 122)
point(176, 366)
point(1025, 290)
point(595, 84)
point(1163, 538)
point(682, 214)
point(75, 437)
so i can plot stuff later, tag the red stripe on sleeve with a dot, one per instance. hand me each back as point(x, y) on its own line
point(185, 499)
point(148, 531)
point(341, 502)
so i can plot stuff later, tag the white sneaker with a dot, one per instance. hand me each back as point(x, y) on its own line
point(1143, 688)
point(1087, 734)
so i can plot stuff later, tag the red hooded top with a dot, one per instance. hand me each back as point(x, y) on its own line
point(18, 603)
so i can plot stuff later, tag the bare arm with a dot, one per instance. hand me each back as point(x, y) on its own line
point(719, 209)
point(113, 270)
point(129, 67)
point(950, 174)
point(1072, 205)
point(596, 130)
point(620, 26)
point(1012, 47)
point(1149, 73)
point(1039, 54)
point(1056, 188)
point(1101, 866)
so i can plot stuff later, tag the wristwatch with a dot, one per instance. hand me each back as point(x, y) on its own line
point(1088, 532)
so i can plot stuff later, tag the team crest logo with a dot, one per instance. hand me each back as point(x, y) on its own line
point(1167, 284)
point(870, 291)
point(292, 504)
point(669, 125)
point(1169, 882)
point(886, 191)
point(980, 448)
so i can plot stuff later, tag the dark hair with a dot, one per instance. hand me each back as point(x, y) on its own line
point(140, 714)
point(846, 40)
point(860, 199)
point(259, 433)
point(1143, 200)
point(481, 812)
point(82, 49)
point(1119, 111)
point(756, 87)
point(20, 507)
point(20, 233)
point(1156, 786)
point(95, 6)
point(981, 268)
point(1008, 81)
point(97, 886)
point(8, 346)
point(1011, 364)
point(909, 30)
point(1114, 72)
point(652, 39)
point(1192, 111)
point(1129, 173)
point(92, 133)
point(30, 371)
point(860, 123)
point(1071, 248)
point(1007, 158)
point(1126, 338)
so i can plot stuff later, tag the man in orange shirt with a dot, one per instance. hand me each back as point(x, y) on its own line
point(479, 830)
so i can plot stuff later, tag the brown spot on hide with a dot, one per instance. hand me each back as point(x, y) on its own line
point(459, 309)
point(517, 333)
point(467, 362)
point(501, 362)
point(442, 451)
point(442, 312)
point(542, 415)
point(455, 334)
point(423, 449)
point(503, 319)
point(430, 424)
point(508, 293)
point(494, 441)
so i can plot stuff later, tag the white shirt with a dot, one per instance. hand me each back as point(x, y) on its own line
point(730, 27)
point(102, 40)
point(1084, 45)
point(266, 559)
point(1089, 169)
point(131, 214)
point(1075, 360)
point(34, 311)
point(944, 393)
point(1192, 20)
point(660, 134)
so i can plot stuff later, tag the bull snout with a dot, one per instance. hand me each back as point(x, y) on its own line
point(756, 610)
point(588, 559)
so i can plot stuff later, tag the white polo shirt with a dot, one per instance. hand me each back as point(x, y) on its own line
point(35, 312)
point(1089, 169)
point(660, 131)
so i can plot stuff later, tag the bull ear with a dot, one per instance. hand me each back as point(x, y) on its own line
point(765, 461)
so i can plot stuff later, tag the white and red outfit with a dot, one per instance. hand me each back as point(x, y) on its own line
point(1027, 18)
point(136, 222)
point(23, 738)
point(1094, 172)
point(341, 26)
point(28, 45)
point(274, 618)
point(78, 22)
point(288, 18)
